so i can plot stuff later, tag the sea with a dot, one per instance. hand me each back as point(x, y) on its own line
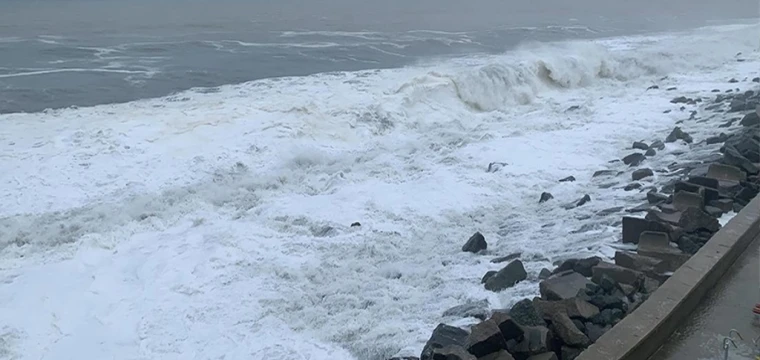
point(196, 179)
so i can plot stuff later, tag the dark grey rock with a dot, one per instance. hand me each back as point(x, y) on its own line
point(633, 227)
point(525, 313)
point(580, 325)
point(756, 79)
point(641, 174)
point(678, 134)
point(581, 266)
point(693, 219)
point(443, 336)
point(544, 356)
point(604, 173)
point(562, 287)
point(356, 224)
point(717, 139)
point(583, 200)
point(632, 186)
point(608, 317)
point(650, 152)
point(507, 277)
point(570, 353)
point(644, 264)
point(656, 198)
point(680, 100)
point(746, 194)
point(617, 273)
point(657, 145)
point(575, 308)
point(499, 355)
point(595, 331)
point(640, 145)
point(725, 205)
point(487, 276)
point(713, 211)
point(451, 352)
point(567, 331)
point(683, 200)
point(485, 338)
point(544, 274)
point(545, 196)
point(477, 309)
point(509, 257)
point(476, 243)
point(732, 156)
point(537, 340)
point(569, 178)
point(610, 211)
point(634, 159)
point(495, 166)
point(509, 327)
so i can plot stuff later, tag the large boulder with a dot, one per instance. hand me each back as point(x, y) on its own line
point(563, 287)
point(476, 309)
point(544, 356)
point(581, 266)
point(683, 200)
point(443, 336)
point(485, 338)
point(507, 277)
point(634, 159)
point(608, 317)
point(499, 355)
point(641, 174)
point(750, 119)
point(620, 274)
point(575, 308)
point(537, 340)
point(476, 243)
point(725, 172)
point(644, 264)
point(567, 331)
point(595, 331)
point(509, 327)
point(633, 227)
point(640, 145)
point(732, 156)
point(657, 245)
point(451, 352)
point(525, 313)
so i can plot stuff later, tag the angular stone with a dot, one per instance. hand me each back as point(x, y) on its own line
point(747, 193)
point(574, 308)
point(693, 219)
point(570, 353)
point(683, 200)
point(705, 181)
point(633, 227)
point(567, 331)
point(750, 119)
point(708, 193)
point(545, 196)
point(451, 352)
point(508, 326)
point(595, 331)
point(476, 243)
point(678, 134)
point(499, 355)
point(725, 205)
point(485, 338)
point(563, 287)
point(507, 277)
point(725, 172)
point(650, 285)
point(544, 356)
point(581, 266)
point(544, 274)
point(640, 145)
point(655, 198)
point(476, 309)
point(525, 313)
point(537, 340)
point(608, 317)
point(644, 264)
point(567, 179)
point(487, 276)
point(657, 145)
point(732, 156)
point(632, 186)
point(604, 173)
point(618, 273)
point(443, 335)
point(657, 245)
point(713, 211)
point(641, 174)
point(634, 159)
point(717, 139)
point(509, 257)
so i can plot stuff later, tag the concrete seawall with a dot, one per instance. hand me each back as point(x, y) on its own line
point(640, 334)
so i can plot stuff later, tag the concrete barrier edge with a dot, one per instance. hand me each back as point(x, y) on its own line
point(643, 332)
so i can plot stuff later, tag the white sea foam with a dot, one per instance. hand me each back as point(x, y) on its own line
point(216, 224)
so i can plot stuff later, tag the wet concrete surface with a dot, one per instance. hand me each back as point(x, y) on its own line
point(727, 306)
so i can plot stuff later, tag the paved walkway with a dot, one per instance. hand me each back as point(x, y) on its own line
point(727, 306)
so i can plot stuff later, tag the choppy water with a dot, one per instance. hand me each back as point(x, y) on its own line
point(59, 53)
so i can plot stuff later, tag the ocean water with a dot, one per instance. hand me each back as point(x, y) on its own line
point(214, 222)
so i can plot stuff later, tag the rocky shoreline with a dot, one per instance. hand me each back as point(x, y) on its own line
point(583, 298)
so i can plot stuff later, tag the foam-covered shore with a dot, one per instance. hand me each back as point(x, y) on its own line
point(582, 298)
point(218, 222)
